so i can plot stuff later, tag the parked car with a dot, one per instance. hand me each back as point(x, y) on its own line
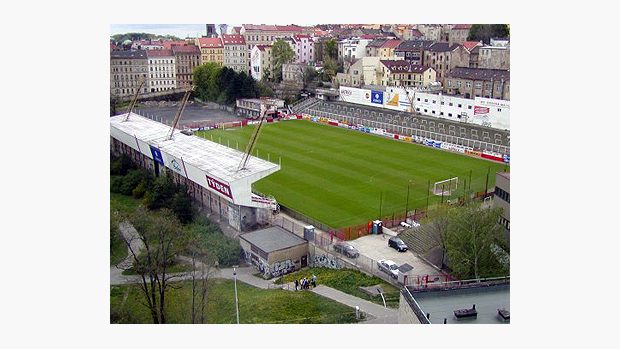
point(389, 267)
point(346, 249)
point(397, 244)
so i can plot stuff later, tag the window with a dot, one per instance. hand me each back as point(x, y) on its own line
point(469, 107)
point(450, 114)
point(459, 105)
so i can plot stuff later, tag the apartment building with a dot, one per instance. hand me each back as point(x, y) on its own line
point(443, 57)
point(162, 70)
point(478, 82)
point(403, 73)
point(187, 58)
point(127, 71)
point(211, 50)
point(235, 52)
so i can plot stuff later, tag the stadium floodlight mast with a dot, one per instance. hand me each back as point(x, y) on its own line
point(135, 99)
point(264, 107)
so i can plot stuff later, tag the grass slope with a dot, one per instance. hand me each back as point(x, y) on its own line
point(256, 306)
point(347, 281)
point(338, 176)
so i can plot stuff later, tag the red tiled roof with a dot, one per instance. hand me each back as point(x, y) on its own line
point(391, 43)
point(292, 28)
point(237, 29)
point(471, 44)
point(185, 49)
point(233, 39)
point(415, 32)
point(461, 27)
point(168, 44)
point(159, 53)
point(262, 27)
point(263, 47)
point(301, 36)
point(210, 42)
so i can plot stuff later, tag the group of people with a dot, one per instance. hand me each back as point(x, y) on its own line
point(304, 283)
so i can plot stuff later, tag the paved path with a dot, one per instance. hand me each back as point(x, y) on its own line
point(379, 314)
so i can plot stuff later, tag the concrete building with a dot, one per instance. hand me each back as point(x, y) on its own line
point(274, 251)
point(501, 199)
point(294, 72)
point(261, 62)
point(127, 71)
point(211, 50)
point(430, 31)
point(458, 34)
point(443, 57)
point(206, 168)
point(350, 49)
point(372, 48)
point(412, 50)
point(162, 70)
point(494, 57)
point(235, 52)
point(362, 72)
point(187, 58)
point(478, 82)
point(386, 51)
point(403, 73)
point(251, 107)
point(436, 303)
point(303, 46)
point(147, 45)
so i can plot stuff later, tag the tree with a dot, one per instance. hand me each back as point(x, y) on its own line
point(153, 246)
point(473, 234)
point(248, 86)
point(331, 50)
point(264, 90)
point(203, 264)
point(282, 54)
point(160, 194)
point(437, 222)
point(182, 205)
point(206, 80)
point(330, 67)
point(484, 32)
point(309, 75)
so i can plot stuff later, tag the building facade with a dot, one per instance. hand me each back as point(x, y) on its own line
point(386, 51)
point(235, 52)
point(261, 62)
point(127, 71)
point(494, 57)
point(372, 48)
point(350, 49)
point(294, 72)
point(303, 46)
point(412, 50)
point(187, 58)
point(443, 57)
point(211, 50)
point(362, 72)
point(458, 34)
point(162, 70)
point(478, 82)
point(403, 73)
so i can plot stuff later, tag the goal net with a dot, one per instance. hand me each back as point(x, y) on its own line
point(446, 187)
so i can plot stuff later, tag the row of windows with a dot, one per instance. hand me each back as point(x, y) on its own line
point(120, 70)
point(167, 68)
point(161, 61)
point(162, 82)
point(502, 194)
point(128, 77)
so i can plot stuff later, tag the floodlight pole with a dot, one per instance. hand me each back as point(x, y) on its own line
point(407, 204)
point(236, 299)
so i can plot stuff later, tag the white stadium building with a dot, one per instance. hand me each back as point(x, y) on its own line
point(208, 169)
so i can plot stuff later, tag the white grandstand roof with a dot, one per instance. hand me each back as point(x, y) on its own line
point(211, 157)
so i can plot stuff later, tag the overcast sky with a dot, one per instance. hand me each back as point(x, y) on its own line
point(178, 30)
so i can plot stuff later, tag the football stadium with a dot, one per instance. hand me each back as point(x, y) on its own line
point(342, 177)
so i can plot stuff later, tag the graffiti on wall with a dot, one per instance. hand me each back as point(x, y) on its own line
point(326, 261)
point(281, 268)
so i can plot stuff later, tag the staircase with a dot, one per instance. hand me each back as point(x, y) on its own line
point(304, 104)
point(420, 240)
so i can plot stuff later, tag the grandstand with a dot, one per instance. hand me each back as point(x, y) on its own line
point(465, 134)
point(209, 170)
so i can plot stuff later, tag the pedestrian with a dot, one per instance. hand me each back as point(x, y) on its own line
point(296, 284)
point(313, 280)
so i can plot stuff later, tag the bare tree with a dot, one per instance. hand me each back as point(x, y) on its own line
point(153, 245)
point(202, 268)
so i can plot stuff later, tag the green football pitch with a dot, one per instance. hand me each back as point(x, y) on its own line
point(343, 177)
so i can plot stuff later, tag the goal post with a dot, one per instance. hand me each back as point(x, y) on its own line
point(446, 187)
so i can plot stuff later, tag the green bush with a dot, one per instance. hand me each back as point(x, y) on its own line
point(160, 194)
point(120, 165)
point(182, 206)
point(226, 249)
point(138, 192)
